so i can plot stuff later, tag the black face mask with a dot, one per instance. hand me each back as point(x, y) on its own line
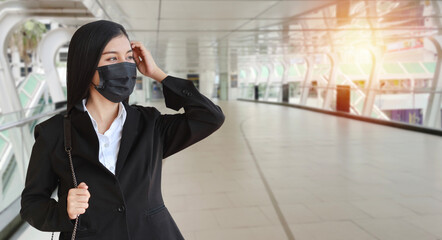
point(117, 81)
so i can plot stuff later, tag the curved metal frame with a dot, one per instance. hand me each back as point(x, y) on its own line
point(432, 115)
point(47, 51)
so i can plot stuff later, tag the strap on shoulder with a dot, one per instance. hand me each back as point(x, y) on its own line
point(67, 133)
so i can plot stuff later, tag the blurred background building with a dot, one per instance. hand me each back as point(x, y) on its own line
point(373, 60)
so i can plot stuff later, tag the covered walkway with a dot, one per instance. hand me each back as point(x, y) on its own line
point(273, 172)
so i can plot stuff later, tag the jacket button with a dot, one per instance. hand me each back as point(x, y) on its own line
point(120, 209)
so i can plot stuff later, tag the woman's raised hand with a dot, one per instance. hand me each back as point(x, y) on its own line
point(78, 199)
point(145, 63)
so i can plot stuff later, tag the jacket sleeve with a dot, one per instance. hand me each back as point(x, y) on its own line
point(37, 207)
point(201, 117)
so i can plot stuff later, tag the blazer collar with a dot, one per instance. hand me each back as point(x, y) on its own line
point(128, 137)
point(82, 123)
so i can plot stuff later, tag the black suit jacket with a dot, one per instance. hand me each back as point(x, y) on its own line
point(129, 204)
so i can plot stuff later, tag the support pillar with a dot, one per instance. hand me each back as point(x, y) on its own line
point(47, 50)
point(307, 80)
point(223, 59)
point(10, 101)
point(331, 81)
point(284, 94)
point(432, 117)
point(373, 82)
point(271, 68)
point(233, 69)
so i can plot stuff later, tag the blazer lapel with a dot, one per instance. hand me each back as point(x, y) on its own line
point(130, 130)
point(85, 142)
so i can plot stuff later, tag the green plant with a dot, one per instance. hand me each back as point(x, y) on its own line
point(26, 38)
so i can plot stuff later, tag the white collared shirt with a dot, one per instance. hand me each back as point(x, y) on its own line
point(109, 142)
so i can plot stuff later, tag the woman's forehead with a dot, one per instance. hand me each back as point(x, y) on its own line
point(118, 44)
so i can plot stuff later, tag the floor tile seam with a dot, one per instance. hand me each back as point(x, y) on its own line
point(363, 229)
point(419, 227)
point(403, 219)
point(276, 207)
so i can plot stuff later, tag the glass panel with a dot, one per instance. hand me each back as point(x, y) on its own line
point(264, 72)
point(430, 66)
point(349, 69)
point(293, 72)
point(393, 68)
point(366, 68)
point(279, 70)
point(261, 90)
point(274, 92)
point(314, 99)
point(413, 67)
point(301, 68)
point(294, 92)
point(12, 177)
point(251, 91)
point(15, 149)
point(31, 84)
point(24, 99)
point(2, 144)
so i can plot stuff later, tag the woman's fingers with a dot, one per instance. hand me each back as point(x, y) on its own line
point(79, 192)
point(75, 203)
point(138, 54)
point(136, 58)
point(83, 199)
point(80, 205)
point(145, 62)
point(138, 45)
point(75, 212)
point(140, 51)
point(82, 185)
point(77, 200)
point(76, 208)
point(79, 211)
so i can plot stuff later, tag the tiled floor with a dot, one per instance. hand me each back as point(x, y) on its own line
point(332, 179)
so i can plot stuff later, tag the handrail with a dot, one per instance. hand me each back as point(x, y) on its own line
point(416, 90)
point(30, 119)
point(396, 124)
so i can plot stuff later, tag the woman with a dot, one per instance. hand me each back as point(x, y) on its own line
point(117, 149)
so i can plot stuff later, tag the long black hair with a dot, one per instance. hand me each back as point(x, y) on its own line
point(85, 49)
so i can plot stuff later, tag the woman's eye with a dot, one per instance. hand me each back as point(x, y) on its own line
point(130, 57)
point(112, 59)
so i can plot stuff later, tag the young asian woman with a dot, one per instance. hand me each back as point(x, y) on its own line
point(117, 148)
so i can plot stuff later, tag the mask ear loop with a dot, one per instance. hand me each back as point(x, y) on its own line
point(100, 83)
point(97, 86)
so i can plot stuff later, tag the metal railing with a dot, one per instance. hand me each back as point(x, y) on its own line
point(16, 140)
point(389, 101)
point(25, 121)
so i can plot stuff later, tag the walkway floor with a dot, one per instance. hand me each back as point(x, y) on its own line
point(273, 172)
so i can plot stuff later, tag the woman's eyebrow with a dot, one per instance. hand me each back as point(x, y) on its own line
point(109, 52)
point(115, 52)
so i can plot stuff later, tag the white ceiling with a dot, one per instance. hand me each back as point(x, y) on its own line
point(193, 32)
point(196, 35)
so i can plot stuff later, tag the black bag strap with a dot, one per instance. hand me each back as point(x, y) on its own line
point(67, 133)
point(68, 148)
point(68, 145)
